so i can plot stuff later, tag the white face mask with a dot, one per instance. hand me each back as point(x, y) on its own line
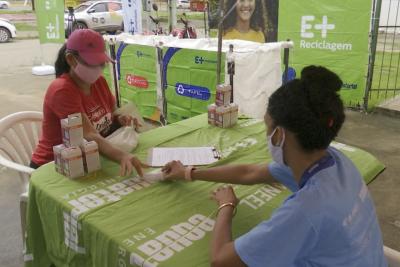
point(88, 74)
point(276, 151)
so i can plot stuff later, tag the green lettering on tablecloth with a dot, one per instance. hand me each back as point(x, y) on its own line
point(245, 143)
point(260, 197)
point(71, 230)
point(111, 193)
point(175, 239)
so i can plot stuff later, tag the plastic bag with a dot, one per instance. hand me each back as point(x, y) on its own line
point(125, 138)
point(130, 109)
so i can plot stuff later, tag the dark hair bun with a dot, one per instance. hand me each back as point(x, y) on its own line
point(320, 78)
point(310, 107)
point(320, 87)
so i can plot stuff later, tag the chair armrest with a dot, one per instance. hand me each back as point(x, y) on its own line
point(392, 256)
point(15, 166)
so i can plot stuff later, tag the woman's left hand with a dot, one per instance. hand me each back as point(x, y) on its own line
point(225, 194)
point(128, 162)
point(127, 120)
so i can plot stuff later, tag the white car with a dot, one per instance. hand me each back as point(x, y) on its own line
point(103, 15)
point(184, 4)
point(7, 30)
point(4, 4)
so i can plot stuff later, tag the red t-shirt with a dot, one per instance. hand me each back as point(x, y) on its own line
point(64, 97)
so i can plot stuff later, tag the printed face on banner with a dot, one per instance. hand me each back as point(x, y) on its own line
point(251, 20)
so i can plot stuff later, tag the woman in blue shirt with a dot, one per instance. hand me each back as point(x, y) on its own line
point(330, 219)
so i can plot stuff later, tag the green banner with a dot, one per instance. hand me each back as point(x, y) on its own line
point(50, 21)
point(138, 78)
point(190, 77)
point(332, 34)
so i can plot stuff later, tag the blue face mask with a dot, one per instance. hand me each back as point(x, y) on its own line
point(276, 151)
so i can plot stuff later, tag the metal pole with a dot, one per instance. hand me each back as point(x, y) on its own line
point(204, 18)
point(219, 53)
point(220, 29)
point(286, 63)
point(116, 88)
point(231, 68)
point(172, 14)
point(163, 117)
point(374, 40)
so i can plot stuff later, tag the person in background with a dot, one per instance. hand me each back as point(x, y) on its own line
point(80, 88)
point(330, 219)
point(247, 23)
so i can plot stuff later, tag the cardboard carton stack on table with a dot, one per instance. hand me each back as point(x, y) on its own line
point(223, 113)
point(75, 156)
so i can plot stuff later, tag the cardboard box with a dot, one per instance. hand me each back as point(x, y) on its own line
point(72, 130)
point(223, 117)
point(72, 162)
point(91, 156)
point(57, 158)
point(234, 113)
point(223, 95)
point(211, 114)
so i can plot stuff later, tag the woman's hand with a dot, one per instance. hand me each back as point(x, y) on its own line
point(127, 120)
point(225, 194)
point(174, 170)
point(128, 162)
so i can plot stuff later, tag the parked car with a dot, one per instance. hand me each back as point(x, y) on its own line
point(97, 15)
point(7, 30)
point(4, 4)
point(183, 4)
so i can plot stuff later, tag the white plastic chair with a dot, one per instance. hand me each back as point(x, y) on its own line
point(19, 135)
point(392, 256)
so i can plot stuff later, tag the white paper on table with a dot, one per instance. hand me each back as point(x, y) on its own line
point(159, 156)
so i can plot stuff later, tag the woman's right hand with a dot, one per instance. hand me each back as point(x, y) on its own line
point(174, 170)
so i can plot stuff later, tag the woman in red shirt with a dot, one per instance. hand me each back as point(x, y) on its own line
point(80, 88)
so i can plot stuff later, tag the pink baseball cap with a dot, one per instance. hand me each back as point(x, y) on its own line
point(90, 46)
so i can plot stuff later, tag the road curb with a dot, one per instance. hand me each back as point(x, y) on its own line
point(390, 107)
point(387, 112)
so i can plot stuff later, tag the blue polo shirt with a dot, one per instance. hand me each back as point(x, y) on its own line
point(329, 220)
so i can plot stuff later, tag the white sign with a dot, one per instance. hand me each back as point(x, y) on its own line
point(132, 10)
point(323, 27)
point(308, 31)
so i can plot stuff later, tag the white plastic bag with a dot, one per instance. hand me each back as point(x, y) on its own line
point(130, 109)
point(125, 138)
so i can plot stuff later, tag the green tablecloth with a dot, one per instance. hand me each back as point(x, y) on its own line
point(107, 220)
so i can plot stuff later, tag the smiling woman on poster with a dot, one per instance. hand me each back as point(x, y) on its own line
point(246, 22)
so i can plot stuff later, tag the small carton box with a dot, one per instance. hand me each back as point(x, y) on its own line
point(72, 130)
point(72, 162)
point(211, 114)
point(223, 117)
point(91, 157)
point(234, 113)
point(223, 95)
point(57, 158)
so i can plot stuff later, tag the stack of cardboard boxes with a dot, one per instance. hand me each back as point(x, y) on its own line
point(223, 113)
point(75, 156)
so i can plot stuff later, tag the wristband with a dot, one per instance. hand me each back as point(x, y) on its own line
point(226, 205)
point(188, 173)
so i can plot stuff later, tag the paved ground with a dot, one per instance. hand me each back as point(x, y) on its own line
point(19, 90)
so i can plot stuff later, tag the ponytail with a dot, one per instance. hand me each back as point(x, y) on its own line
point(61, 64)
